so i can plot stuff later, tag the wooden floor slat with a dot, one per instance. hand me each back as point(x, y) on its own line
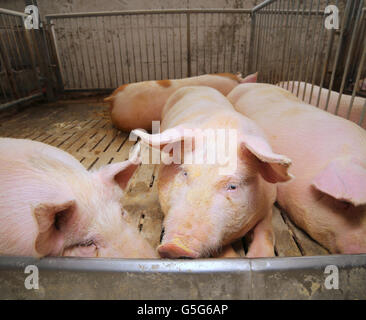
point(84, 130)
point(285, 244)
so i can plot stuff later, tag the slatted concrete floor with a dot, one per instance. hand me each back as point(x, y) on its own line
point(83, 128)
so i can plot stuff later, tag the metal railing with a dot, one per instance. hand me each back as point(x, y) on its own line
point(102, 50)
point(19, 60)
point(290, 44)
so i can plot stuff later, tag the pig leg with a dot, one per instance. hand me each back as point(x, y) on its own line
point(227, 252)
point(262, 244)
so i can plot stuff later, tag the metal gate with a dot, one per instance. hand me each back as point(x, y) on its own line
point(24, 63)
point(103, 50)
point(290, 43)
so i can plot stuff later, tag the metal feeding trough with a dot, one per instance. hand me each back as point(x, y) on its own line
point(75, 52)
point(317, 277)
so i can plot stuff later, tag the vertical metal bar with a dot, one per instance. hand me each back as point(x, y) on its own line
point(258, 47)
point(153, 45)
point(325, 64)
point(107, 53)
point(79, 40)
point(291, 41)
point(363, 114)
point(281, 16)
point(180, 45)
point(88, 56)
point(120, 50)
point(250, 66)
point(285, 42)
point(197, 46)
point(114, 50)
point(188, 44)
point(126, 48)
point(173, 31)
point(238, 45)
point(358, 76)
point(315, 60)
point(45, 66)
point(3, 72)
point(77, 70)
point(7, 64)
point(95, 53)
point(219, 18)
point(298, 55)
point(147, 51)
point(265, 53)
point(276, 24)
point(22, 50)
point(261, 35)
point(140, 50)
point(268, 42)
point(1, 84)
point(308, 64)
point(166, 44)
point(133, 48)
point(303, 58)
point(161, 53)
point(54, 42)
point(70, 66)
point(348, 59)
point(204, 43)
point(232, 45)
point(345, 18)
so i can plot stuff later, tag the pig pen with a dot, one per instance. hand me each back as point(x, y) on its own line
point(65, 68)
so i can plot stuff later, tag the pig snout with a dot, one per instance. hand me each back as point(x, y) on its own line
point(176, 248)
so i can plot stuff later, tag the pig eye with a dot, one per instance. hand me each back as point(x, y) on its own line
point(232, 187)
point(87, 243)
point(185, 173)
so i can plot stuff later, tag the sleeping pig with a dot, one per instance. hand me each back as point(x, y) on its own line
point(136, 105)
point(327, 198)
point(209, 204)
point(50, 205)
point(311, 96)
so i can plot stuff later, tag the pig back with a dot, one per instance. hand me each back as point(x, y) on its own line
point(192, 105)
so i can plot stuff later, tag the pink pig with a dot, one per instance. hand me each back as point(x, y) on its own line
point(327, 198)
point(357, 108)
point(206, 209)
point(50, 205)
point(136, 105)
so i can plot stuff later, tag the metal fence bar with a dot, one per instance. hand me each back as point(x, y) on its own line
point(142, 12)
point(350, 50)
point(345, 18)
point(168, 45)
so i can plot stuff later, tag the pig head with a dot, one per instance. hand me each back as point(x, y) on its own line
point(205, 208)
point(50, 205)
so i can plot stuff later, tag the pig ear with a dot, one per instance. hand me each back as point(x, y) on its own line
point(252, 78)
point(273, 167)
point(119, 172)
point(169, 136)
point(51, 219)
point(344, 180)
